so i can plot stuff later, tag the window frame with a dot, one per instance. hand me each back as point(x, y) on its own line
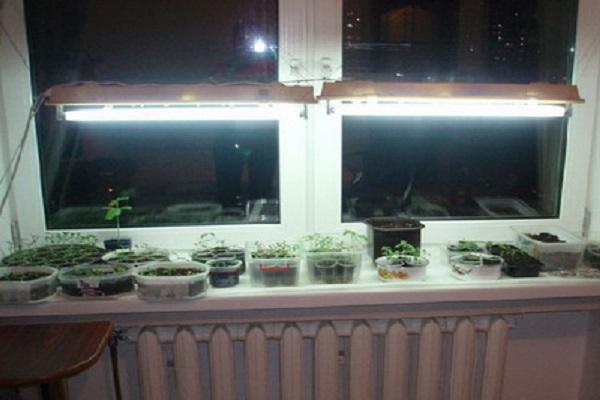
point(310, 49)
point(327, 188)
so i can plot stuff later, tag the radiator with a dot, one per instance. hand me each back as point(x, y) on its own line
point(412, 359)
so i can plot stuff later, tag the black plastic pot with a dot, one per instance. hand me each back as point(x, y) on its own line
point(389, 231)
point(114, 244)
point(522, 271)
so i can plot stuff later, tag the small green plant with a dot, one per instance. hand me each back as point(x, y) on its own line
point(465, 245)
point(403, 248)
point(321, 243)
point(114, 209)
point(275, 250)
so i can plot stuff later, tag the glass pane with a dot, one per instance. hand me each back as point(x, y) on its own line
point(136, 41)
point(175, 173)
point(517, 41)
point(449, 168)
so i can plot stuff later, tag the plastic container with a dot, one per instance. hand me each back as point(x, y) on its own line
point(401, 268)
point(454, 249)
point(477, 266)
point(389, 231)
point(591, 255)
point(334, 267)
point(517, 263)
point(97, 280)
point(273, 263)
point(172, 287)
point(136, 256)
point(224, 272)
point(216, 252)
point(27, 291)
point(274, 271)
point(558, 258)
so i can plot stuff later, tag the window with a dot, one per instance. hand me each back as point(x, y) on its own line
point(175, 173)
point(199, 173)
point(133, 41)
point(518, 41)
point(451, 168)
point(316, 172)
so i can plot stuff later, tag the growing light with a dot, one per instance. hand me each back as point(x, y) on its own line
point(174, 113)
point(460, 109)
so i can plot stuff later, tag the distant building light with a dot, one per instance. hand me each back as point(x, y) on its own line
point(259, 46)
point(350, 26)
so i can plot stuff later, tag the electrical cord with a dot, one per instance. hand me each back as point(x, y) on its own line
point(19, 150)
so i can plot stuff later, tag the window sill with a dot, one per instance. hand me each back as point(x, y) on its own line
point(543, 294)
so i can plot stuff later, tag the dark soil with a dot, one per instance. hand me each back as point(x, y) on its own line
point(545, 237)
point(23, 276)
point(172, 272)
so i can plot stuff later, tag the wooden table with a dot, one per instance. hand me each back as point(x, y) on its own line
point(48, 354)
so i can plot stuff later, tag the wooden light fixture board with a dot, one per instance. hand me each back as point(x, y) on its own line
point(97, 94)
point(541, 93)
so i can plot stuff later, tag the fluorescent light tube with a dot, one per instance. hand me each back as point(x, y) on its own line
point(176, 114)
point(517, 110)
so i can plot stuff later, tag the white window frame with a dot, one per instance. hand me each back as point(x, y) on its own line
point(326, 145)
point(292, 156)
point(310, 49)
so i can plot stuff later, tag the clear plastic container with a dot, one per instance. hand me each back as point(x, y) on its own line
point(477, 267)
point(591, 255)
point(461, 247)
point(172, 287)
point(224, 272)
point(401, 268)
point(557, 257)
point(97, 280)
point(29, 291)
point(334, 267)
point(136, 256)
point(273, 263)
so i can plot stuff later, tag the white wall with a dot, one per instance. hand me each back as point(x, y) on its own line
point(15, 101)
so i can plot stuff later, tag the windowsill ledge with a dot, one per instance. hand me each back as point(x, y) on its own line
point(439, 287)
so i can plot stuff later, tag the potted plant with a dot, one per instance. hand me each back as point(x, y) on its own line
point(58, 250)
point(114, 210)
point(136, 256)
point(273, 264)
point(333, 259)
point(477, 266)
point(171, 280)
point(96, 280)
point(464, 246)
point(517, 263)
point(27, 284)
point(401, 262)
point(208, 248)
point(558, 250)
point(387, 231)
point(224, 272)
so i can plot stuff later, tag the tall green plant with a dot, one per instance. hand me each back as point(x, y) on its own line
point(114, 209)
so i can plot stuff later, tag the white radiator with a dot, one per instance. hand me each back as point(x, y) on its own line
point(412, 359)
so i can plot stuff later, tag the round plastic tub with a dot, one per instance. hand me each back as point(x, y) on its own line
point(33, 290)
point(191, 284)
point(401, 268)
point(96, 280)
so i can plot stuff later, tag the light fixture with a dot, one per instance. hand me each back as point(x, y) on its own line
point(176, 113)
point(450, 99)
point(197, 102)
point(448, 109)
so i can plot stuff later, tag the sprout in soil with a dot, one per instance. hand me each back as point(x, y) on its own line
point(403, 248)
point(114, 209)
